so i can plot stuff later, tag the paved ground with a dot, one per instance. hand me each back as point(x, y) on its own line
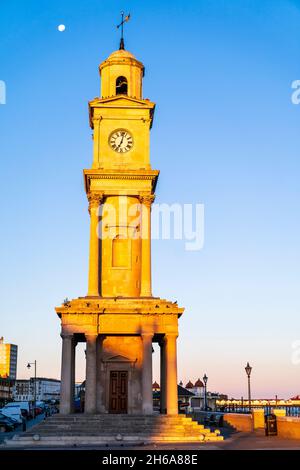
point(240, 441)
point(233, 441)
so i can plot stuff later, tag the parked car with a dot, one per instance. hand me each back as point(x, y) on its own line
point(10, 420)
point(41, 404)
point(38, 411)
point(26, 407)
point(13, 410)
point(6, 425)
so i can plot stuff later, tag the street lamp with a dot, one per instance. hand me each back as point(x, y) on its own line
point(34, 390)
point(248, 370)
point(205, 379)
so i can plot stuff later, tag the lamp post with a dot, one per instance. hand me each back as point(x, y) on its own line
point(248, 370)
point(205, 379)
point(34, 390)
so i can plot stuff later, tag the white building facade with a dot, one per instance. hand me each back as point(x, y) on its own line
point(46, 389)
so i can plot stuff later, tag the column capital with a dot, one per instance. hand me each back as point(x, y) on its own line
point(91, 336)
point(162, 342)
point(171, 335)
point(147, 199)
point(67, 336)
point(95, 200)
point(147, 334)
point(102, 336)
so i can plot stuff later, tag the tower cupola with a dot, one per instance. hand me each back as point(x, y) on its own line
point(121, 74)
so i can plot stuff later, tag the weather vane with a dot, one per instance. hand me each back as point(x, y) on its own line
point(121, 25)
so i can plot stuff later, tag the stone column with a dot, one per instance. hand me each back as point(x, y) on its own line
point(91, 370)
point(171, 374)
point(73, 363)
point(162, 376)
point(99, 377)
point(147, 374)
point(94, 268)
point(146, 201)
point(66, 396)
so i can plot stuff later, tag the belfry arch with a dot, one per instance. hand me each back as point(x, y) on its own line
point(121, 86)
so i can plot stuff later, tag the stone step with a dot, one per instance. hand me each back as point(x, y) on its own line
point(119, 416)
point(105, 441)
point(78, 430)
point(121, 425)
point(124, 415)
point(116, 418)
point(108, 426)
point(150, 430)
point(114, 436)
point(117, 430)
point(89, 440)
point(205, 432)
point(117, 425)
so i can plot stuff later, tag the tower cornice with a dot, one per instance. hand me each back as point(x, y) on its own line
point(139, 175)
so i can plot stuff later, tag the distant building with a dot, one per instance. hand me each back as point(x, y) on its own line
point(189, 385)
point(197, 400)
point(155, 387)
point(8, 370)
point(8, 360)
point(197, 388)
point(46, 389)
point(6, 390)
point(22, 390)
point(184, 397)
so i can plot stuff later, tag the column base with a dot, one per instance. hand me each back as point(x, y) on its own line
point(147, 410)
point(65, 411)
point(172, 412)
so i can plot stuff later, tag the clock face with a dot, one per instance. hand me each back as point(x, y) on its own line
point(121, 141)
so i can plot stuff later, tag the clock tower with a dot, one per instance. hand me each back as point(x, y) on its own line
point(119, 318)
point(121, 173)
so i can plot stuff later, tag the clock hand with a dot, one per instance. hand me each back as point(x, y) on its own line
point(121, 142)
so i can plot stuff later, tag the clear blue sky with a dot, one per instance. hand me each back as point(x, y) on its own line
point(226, 134)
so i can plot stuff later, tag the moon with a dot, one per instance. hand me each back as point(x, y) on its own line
point(61, 28)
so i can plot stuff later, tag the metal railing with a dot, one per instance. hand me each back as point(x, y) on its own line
point(235, 408)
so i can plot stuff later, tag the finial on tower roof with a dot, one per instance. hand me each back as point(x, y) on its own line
point(124, 20)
